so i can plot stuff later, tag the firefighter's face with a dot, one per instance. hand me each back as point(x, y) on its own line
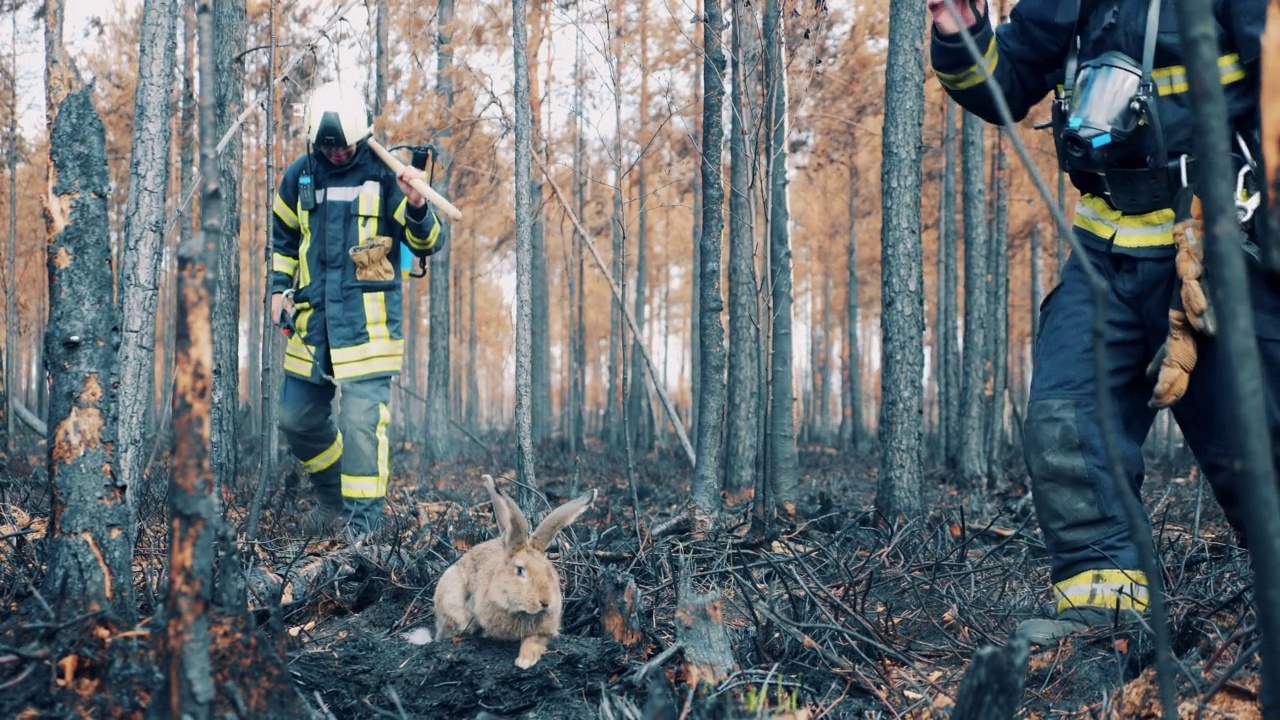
point(338, 154)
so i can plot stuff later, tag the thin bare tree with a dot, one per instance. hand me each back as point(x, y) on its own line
point(525, 477)
point(783, 465)
point(705, 491)
point(742, 442)
point(144, 237)
point(902, 272)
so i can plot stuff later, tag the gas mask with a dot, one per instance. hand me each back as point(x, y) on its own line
point(1102, 114)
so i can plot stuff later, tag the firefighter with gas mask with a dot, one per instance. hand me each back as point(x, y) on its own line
point(341, 221)
point(1122, 120)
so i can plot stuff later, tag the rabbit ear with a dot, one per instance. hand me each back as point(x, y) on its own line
point(559, 518)
point(515, 529)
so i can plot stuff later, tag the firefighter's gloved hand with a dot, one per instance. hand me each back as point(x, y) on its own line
point(1189, 235)
point(1174, 362)
point(280, 305)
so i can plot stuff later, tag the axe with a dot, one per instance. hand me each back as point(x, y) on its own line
point(432, 196)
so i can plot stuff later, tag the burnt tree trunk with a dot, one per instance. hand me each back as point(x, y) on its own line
point(998, 335)
point(229, 40)
point(700, 630)
point(783, 467)
point(8, 373)
point(949, 358)
point(439, 434)
point(90, 549)
point(576, 411)
point(743, 409)
point(524, 263)
point(144, 239)
point(971, 443)
point(269, 411)
point(901, 425)
point(992, 686)
point(193, 514)
point(853, 432)
point(711, 351)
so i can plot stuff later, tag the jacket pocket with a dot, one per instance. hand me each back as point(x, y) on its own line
point(372, 260)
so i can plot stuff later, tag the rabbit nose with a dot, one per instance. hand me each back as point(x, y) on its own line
point(545, 604)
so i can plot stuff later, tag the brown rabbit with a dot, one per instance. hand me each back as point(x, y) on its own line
point(506, 588)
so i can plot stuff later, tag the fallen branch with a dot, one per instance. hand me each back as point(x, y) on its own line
point(635, 329)
point(29, 418)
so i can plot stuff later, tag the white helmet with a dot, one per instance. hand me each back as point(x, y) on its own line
point(335, 116)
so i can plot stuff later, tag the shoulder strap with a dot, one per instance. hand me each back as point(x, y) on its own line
point(1149, 39)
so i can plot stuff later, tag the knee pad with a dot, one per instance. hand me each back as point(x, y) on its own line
point(1068, 504)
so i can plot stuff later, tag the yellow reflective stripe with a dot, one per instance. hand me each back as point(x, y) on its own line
point(284, 212)
point(325, 459)
point(304, 268)
point(375, 317)
point(362, 486)
point(400, 211)
point(974, 74)
point(385, 365)
point(384, 447)
point(385, 347)
point(368, 206)
point(1173, 79)
point(284, 264)
point(298, 356)
point(427, 243)
point(296, 365)
point(1152, 229)
point(1108, 589)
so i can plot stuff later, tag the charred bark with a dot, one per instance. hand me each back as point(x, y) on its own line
point(229, 40)
point(188, 674)
point(439, 433)
point(742, 443)
point(783, 467)
point(901, 425)
point(998, 333)
point(949, 361)
point(971, 443)
point(144, 238)
point(620, 609)
point(853, 433)
point(992, 686)
point(525, 476)
point(8, 374)
point(700, 630)
point(711, 350)
point(90, 549)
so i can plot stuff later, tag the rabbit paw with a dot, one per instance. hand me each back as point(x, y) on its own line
point(531, 650)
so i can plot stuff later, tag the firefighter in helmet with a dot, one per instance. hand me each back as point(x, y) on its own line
point(1123, 127)
point(341, 221)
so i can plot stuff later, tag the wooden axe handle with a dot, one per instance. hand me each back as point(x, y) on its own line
point(432, 196)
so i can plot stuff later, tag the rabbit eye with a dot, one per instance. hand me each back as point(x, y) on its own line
point(520, 570)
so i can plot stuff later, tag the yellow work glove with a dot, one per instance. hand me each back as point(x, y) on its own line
point(1189, 235)
point(1173, 362)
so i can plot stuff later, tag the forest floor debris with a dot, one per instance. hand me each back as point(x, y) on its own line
point(833, 614)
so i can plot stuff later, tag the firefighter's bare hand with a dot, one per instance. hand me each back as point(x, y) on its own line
point(1173, 363)
point(403, 178)
point(279, 305)
point(946, 21)
point(1189, 235)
